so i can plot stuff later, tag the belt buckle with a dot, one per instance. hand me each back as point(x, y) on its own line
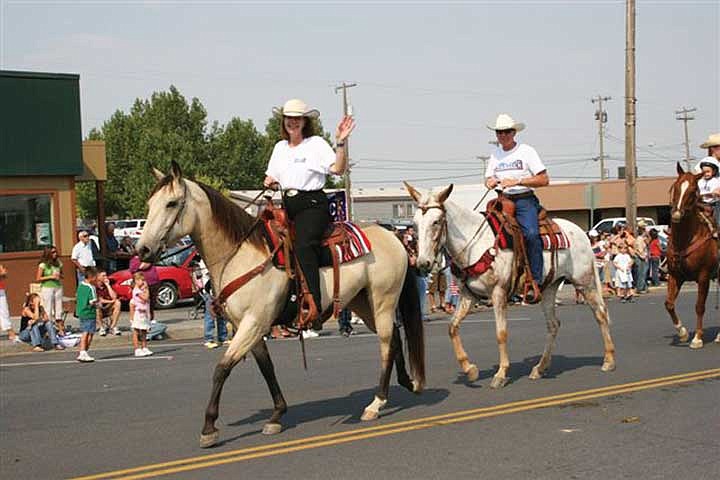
point(291, 193)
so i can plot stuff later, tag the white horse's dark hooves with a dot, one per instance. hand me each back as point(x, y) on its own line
point(498, 382)
point(210, 439)
point(272, 429)
point(472, 373)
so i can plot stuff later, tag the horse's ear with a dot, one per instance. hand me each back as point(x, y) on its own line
point(158, 174)
point(413, 193)
point(680, 170)
point(444, 194)
point(175, 170)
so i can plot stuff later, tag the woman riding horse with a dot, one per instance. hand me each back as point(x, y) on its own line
point(299, 164)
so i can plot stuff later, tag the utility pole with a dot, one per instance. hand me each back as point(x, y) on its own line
point(347, 111)
point(684, 115)
point(601, 117)
point(630, 119)
point(483, 159)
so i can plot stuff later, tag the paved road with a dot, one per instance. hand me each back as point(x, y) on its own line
point(61, 419)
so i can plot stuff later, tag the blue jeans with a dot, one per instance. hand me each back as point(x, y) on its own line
point(34, 334)
point(210, 322)
point(422, 293)
point(655, 270)
point(641, 279)
point(344, 320)
point(526, 212)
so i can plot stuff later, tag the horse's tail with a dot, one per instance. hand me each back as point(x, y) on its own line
point(412, 321)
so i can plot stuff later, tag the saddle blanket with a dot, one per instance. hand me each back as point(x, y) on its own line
point(356, 246)
point(505, 240)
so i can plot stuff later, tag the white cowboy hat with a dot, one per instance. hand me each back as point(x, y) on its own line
point(593, 233)
point(506, 122)
point(296, 108)
point(712, 141)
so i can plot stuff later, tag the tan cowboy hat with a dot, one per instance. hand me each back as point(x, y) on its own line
point(712, 141)
point(296, 108)
point(506, 122)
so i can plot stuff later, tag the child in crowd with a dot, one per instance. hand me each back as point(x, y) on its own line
point(86, 302)
point(5, 325)
point(623, 275)
point(140, 310)
point(34, 323)
point(454, 294)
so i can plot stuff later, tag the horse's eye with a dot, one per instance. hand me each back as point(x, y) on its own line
point(172, 204)
point(436, 223)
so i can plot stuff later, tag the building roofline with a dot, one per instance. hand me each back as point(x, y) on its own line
point(39, 75)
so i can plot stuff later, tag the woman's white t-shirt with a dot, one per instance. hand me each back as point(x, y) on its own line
point(518, 163)
point(303, 167)
point(707, 186)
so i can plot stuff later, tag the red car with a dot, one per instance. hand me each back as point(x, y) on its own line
point(175, 272)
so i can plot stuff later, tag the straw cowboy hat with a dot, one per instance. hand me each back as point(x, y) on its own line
point(296, 108)
point(712, 141)
point(506, 122)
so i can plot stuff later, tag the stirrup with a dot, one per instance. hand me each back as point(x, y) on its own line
point(532, 293)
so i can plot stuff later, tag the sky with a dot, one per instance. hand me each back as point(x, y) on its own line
point(430, 75)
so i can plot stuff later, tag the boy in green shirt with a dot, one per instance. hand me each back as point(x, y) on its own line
point(85, 305)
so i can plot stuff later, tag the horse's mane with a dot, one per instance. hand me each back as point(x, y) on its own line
point(233, 221)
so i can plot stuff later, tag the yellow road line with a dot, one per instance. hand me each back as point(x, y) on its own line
point(222, 458)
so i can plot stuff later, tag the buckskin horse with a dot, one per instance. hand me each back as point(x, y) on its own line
point(468, 238)
point(226, 236)
point(692, 252)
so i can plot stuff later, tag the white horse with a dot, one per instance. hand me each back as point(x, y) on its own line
point(466, 236)
point(231, 244)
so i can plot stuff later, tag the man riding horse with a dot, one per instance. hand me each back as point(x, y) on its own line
point(517, 169)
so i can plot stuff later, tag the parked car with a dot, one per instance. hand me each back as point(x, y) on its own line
point(175, 271)
point(606, 224)
point(129, 228)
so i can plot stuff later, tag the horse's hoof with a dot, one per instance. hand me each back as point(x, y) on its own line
point(683, 335)
point(536, 374)
point(472, 373)
point(369, 415)
point(210, 439)
point(696, 343)
point(498, 382)
point(272, 429)
point(717, 339)
point(417, 387)
point(608, 366)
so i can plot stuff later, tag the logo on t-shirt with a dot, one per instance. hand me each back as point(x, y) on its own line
point(299, 160)
point(509, 165)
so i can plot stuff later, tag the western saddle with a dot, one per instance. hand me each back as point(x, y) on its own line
point(504, 209)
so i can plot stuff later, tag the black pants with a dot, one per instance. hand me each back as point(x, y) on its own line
point(309, 212)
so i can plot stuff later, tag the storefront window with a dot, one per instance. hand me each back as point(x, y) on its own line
point(25, 222)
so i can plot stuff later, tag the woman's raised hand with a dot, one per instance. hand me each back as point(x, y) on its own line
point(345, 127)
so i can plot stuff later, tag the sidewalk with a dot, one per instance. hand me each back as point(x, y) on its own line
point(180, 327)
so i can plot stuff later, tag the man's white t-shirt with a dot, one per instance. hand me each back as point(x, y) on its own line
point(82, 252)
point(303, 167)
point(707, 186)
point(520, 162)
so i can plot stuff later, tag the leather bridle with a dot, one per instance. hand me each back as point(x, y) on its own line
point(441, 235)
point(183, 202)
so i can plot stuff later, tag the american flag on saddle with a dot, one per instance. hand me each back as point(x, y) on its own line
point(357, 244)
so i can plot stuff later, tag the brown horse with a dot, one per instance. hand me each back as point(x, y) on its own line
point(692, 252)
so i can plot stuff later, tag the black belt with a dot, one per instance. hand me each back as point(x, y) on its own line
point(518, 196)
point(292, 192)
